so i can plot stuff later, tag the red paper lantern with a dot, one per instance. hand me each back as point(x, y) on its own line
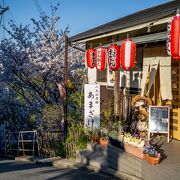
point(90, 58)
point(127, 54)
point(175, 37)
point(100, 57)
point(114, 57)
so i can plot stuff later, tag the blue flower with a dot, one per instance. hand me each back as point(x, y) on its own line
point(151, 151)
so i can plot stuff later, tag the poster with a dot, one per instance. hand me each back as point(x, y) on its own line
point(92, 105)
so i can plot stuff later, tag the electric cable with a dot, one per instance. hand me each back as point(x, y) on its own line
point(3, 20)
point(41, 12)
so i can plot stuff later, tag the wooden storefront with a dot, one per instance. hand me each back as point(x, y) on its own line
point(175, 113)
point(148, 29)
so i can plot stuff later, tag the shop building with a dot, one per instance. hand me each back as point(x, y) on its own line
point(156, 74)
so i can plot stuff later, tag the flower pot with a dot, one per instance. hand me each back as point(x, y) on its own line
point(103, 142)
point(135, 151)
point(152, 160)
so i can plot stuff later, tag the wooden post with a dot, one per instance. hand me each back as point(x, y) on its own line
point(7, 141)
point(65, 81)
point(125, 99)
point(117, 95)
point(66, 60)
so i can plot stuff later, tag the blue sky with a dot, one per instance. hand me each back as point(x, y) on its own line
point(79, 15)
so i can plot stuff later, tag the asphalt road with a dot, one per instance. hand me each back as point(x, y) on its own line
point(13, 170)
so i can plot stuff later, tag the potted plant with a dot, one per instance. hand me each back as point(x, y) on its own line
point(103, 140)
point(151, 154)
point(103, 136)
point(93, 134)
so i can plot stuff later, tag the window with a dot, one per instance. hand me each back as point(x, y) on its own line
point(102, 76)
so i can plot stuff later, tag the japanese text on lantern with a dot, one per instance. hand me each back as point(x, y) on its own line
point(93, 58)
point(92, 105)
point(112, 57)
point(98, 60)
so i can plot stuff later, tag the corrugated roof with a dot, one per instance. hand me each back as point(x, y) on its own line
point(131, 20)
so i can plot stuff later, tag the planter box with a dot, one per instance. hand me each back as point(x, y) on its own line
point(116, 143)
point(135, 151)
point(152, 160)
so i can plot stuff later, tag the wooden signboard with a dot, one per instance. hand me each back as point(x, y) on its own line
point(159, 120)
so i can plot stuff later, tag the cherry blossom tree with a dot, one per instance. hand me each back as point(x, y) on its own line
point(31, 67)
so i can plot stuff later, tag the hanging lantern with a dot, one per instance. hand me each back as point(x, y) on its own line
point(90, 58)
point(175, 37)
point(127, 54)
point(114, 57)
point(100, 57)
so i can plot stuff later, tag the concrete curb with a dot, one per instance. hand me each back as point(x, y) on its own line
point(47, 161)
point(29, 159)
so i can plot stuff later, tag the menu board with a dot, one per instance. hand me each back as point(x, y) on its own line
point(159, 119)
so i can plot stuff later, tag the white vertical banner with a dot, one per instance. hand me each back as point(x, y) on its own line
point(92, 75)
point(92, 105)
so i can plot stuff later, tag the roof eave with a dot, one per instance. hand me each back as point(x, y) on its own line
point(133, 20)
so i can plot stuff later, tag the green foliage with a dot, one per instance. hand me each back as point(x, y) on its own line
point(32, 117)
point(113, 134)
point(93, 134)
point(107, 117)
point(82, 142)
point(51, 117)
point(117, 126)
point(76, 139)
point(60, 149)
point(75, 113)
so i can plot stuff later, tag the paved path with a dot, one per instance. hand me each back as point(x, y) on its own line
point(13, 170)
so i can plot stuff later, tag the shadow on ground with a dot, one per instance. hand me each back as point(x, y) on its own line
point(12, 165)
point(27, 171)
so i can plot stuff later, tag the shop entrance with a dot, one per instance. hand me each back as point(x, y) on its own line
point(175, 113)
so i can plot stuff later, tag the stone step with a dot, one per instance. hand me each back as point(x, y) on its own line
point(96, 159)
point(97, 147)
point(81, 155)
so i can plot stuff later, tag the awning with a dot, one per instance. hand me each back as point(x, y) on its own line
point(155, 37)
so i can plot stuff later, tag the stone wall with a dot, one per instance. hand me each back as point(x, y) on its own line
point(119, 160)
